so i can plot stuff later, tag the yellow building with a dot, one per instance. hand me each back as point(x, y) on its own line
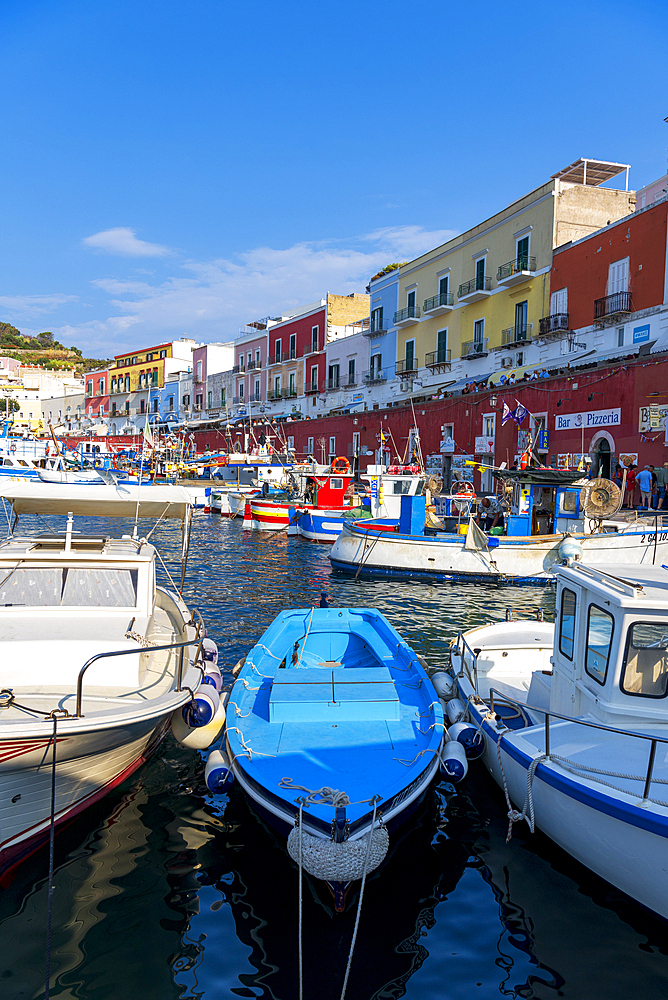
point(488, 288)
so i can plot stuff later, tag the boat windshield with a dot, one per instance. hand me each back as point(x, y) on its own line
point(645, 670)
point(68, 587)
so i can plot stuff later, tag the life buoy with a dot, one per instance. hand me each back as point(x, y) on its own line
point(524, 460)
point(337, 467)
point(12, 448)
point(464, 490)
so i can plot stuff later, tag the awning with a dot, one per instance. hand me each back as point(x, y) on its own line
point(538, 477)
point(98, 501)
point(505, 373)
point(456, 386)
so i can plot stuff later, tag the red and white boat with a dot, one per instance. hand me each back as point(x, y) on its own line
point(328, 490)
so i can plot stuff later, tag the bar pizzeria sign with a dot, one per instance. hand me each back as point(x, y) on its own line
point(587, 419)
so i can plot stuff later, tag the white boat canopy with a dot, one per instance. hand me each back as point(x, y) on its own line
point(98, 501)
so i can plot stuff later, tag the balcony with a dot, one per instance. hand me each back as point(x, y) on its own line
point(311, 389)
point(475, 348)
point(311, 349)
point(407, 316)
point(514, 335)
point(407, 366)
point(438, 361)
point(278, 358)
point(342, 382)
point(252, 365)
point(554, 326)
point(438, 304)
point(375, 376)
point(516, 271)
point(474, 290)
point(610, 307)
point(238, 368)
point(376, 329)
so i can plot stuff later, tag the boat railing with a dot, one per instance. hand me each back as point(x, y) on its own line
point(536, 615)
point(198, 640)
point(549, 714)
point(462, 646)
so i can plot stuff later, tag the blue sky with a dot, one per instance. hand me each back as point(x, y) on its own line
point(181, 167)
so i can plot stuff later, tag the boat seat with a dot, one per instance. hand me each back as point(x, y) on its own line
point(314, 694)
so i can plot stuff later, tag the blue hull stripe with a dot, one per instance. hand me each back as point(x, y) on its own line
point(430, 574)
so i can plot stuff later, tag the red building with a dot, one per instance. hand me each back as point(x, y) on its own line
point(296, 357)
point(97, 395)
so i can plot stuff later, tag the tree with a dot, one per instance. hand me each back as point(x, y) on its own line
point(12, 403)
point(386, 270)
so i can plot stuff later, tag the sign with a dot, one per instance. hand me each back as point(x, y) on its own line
point(459, 461)
point(629, 459)
point(448, 446)
point(484, 446)
point(652, 418)
point(640, 334)
point(523, 440)
point(357, 397)
point(543, 438)
point(588, 419)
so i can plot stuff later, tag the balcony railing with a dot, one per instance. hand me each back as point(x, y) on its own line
point(278, 358)
point(516, 335)
point(405, 366)
point(518, 266)
point(374, 376)
point(475, 348)
point(341, 382)
point(311, 388)
point(237, 369)
point(444, 299)
point(311, 349)
point(376, 329)
point(612, 305)
point(438, 359)
point(554, 325)
point(478, 284)
point(254, 364)
point(409, 313)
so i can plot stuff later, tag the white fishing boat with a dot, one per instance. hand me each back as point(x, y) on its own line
point(575, 721)
point(548, 518)
point(96, 659)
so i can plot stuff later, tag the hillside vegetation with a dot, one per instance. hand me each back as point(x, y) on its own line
point(43, 350)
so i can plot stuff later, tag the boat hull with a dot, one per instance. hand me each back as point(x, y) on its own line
point(360, 549)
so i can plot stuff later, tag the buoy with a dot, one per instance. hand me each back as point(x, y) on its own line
point(454, 764)
point(470, 738)
point(198, 737)
point(218, 773)
point(455, 710)
point(444, 684)
point(203, 707)
point(213, 676)
point(570, 548)
point(209, 651)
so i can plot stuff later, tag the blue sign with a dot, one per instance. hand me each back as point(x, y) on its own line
point(640, 334)
point(542, 440)
point(358, 397)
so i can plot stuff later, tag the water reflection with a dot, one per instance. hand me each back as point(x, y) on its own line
point(163, 892)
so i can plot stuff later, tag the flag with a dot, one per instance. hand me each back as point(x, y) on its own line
point(148, 434)
point(507, 415)
point(519, 413)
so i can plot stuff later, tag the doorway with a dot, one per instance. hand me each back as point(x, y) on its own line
point(602, 459)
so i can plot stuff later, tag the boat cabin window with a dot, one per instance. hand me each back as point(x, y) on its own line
point(569, 501)
point(600, 627)
point(73, 588)
point(336, 484)
point(567, 622)
point(645, 670)
point(402, 486)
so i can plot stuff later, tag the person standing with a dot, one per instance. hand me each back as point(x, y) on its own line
point(630, 486)
point(644, 480)
point(661, 474)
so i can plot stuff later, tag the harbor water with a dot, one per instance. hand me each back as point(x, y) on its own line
point(163, 891)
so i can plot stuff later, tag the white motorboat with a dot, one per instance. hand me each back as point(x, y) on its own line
point(575, 721)
point(96, 660)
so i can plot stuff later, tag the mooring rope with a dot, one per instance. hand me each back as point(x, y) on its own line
point(359, 904)
point(52, 831)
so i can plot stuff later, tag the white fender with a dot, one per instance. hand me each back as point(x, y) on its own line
point(470, 738)
point(444, 684)
point(454, 764)
point(201, 737)
point(218, 772)
point(455, 710)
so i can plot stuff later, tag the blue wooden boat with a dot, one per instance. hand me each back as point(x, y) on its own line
point(333, 718)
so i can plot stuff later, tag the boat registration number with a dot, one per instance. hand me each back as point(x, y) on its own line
point(660, 536)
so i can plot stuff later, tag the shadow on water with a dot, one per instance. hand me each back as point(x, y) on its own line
point(162, 891)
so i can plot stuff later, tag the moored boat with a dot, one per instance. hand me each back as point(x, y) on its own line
point(97, 659)
point(575, 721)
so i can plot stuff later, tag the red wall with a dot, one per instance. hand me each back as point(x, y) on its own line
point(583, 268)
point(302, 328)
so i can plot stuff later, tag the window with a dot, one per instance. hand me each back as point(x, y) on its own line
point(240, 391)
point(240, 362)
point(293, 345)
point(351, 371)
point(155, 405)
point(222, 397)
point(618, 276)
point(334, 376)
point(444, 284)
point(142, 406)
point(567, 623)
point(89, 388)
point(186, 400)
point(522, 263)
point(521, 312)
point(314, 338)
point(209, 400)
point(127, 405)
point(479, 332)
point(377, 319)
point(199, 371)
point(101, 387)
point(645, 669)
point(258, 392)
point(127, 383)
point(410, 299)
point(600, 626)
point(442, 345)
point(356, 443)
point(163, 354)
point(75, 587)
point(375, 365)
point(410, 355)
point(314, 378)
point(293, 390)
point(620, 337)
point(277, 349)
point(199, 399)
point(480, 273)
point(249, 359)
point(113, 384)
point(257, 359)
point(401, 486)
point(291, 442)
point(171, 402)
point(309, 446)
point(488, 425)
point(277, 386)
point(332, 448)
point(149, 357)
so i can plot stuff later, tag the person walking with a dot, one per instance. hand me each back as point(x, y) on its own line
point(630, 486)
point(644, 480)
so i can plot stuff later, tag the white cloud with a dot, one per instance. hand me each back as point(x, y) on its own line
point(210, 300)
point(123, 242)
point(19, 306)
